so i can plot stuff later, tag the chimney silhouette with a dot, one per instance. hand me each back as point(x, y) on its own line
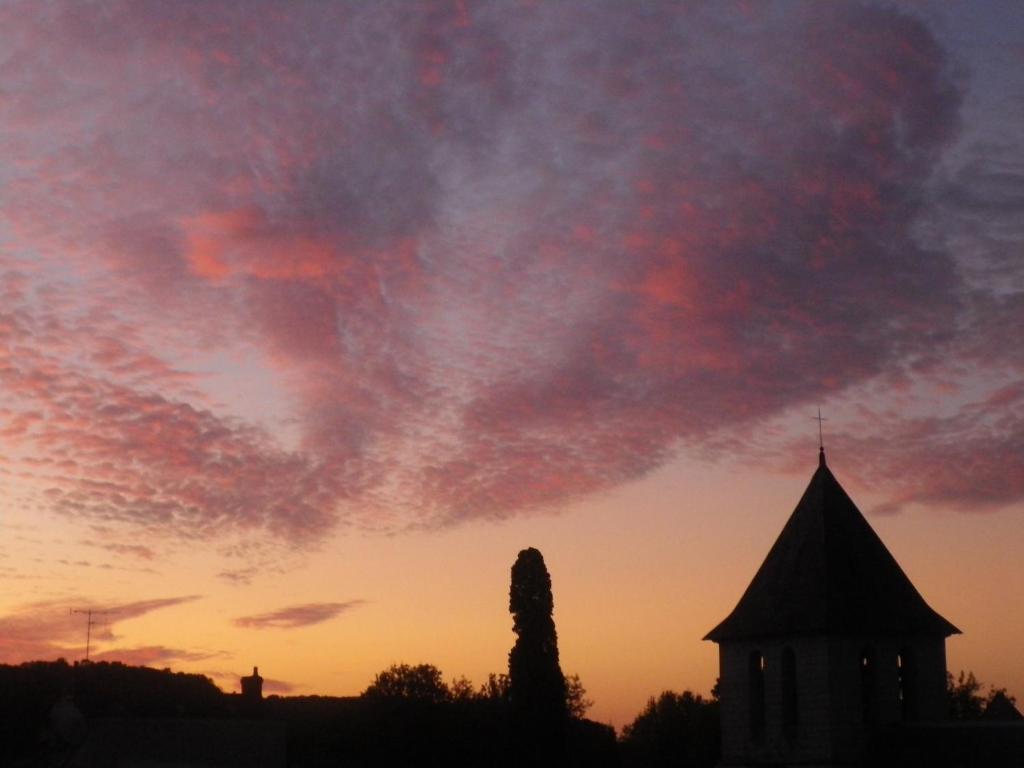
point(252, 691)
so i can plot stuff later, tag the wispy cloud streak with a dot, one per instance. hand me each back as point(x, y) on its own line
point(50, 629)
point(296, 616)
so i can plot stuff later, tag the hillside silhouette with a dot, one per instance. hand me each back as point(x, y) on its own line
point(49, 711)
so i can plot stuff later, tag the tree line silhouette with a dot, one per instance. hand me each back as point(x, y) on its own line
point(425, 682)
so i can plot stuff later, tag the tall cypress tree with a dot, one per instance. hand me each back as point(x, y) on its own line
point(536, 683)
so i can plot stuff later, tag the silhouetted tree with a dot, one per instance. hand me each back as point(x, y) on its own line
point(495, 689)
point(964, 698)
point(537, 692)
point(461, 689)
point(536, 682)
point(576, 701)
point(422, 682)
point(675, 729)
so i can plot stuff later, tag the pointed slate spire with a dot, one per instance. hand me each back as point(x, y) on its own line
point(828, 573)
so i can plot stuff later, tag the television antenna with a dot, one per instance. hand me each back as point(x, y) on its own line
point(89, 622)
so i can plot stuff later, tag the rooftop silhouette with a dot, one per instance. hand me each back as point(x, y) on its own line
point(829, 573)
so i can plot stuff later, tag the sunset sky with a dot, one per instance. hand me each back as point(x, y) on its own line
point(315, 314)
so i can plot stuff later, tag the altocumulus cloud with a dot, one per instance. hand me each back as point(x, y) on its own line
point(494, 257)
point(295, 616)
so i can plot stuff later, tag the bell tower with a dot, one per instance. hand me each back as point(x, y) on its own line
point(829, 642)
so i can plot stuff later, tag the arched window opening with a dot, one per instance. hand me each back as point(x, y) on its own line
point(907, 675)
point(790, 704)
point(868, 694)
point(755, 675)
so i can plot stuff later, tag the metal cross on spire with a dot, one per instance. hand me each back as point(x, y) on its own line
point(821, 437)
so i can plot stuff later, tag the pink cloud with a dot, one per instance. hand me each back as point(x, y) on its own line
point(152, 655)
point(279, 687)
point(295, 616)
point(972, 461)
point(508, 259)
point(140, 551)
point(51, 629)
point(111, 450)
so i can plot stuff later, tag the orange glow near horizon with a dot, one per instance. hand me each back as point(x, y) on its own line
point(634, 594)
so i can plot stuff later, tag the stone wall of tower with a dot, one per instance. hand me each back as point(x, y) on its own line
point(848, 705)
point(812, 741)
point(830, 694)
point(932, 682)
point(733, 710)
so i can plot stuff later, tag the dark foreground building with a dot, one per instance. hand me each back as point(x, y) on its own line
point(829, 647)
